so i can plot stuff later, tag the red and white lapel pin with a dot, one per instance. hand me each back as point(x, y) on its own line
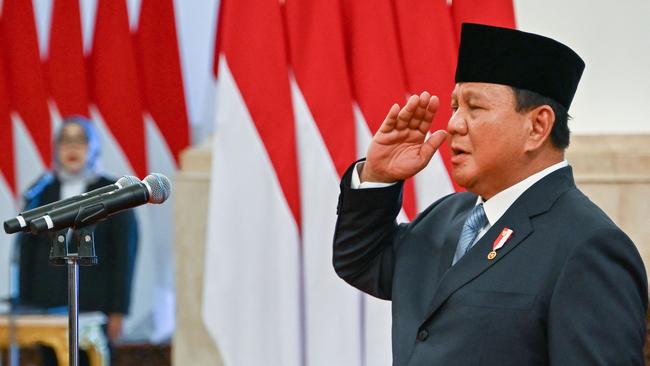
point(505, 235)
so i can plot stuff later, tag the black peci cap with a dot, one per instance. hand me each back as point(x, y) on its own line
point(524, 60)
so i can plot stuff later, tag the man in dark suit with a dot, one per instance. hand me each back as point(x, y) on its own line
point(523, 269)
point(105, 287)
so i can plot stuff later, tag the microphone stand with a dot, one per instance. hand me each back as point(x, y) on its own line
point(60, 255)
point(13, 354)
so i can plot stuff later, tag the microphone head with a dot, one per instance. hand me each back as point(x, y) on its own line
point(13, 225)
point(127, 180)
point(159, 186)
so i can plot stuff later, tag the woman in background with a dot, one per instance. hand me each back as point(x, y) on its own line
point(104, 287)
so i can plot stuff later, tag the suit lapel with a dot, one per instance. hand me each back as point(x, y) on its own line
point(475, 261)
point(536, 200)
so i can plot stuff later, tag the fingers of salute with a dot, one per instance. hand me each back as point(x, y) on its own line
point(416, 115)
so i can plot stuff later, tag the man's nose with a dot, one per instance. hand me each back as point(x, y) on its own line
point(457, 124)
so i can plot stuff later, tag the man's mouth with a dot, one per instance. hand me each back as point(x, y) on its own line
point(458, 154)
point(457, 150)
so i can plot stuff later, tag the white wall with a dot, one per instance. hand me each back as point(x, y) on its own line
point(613, 37)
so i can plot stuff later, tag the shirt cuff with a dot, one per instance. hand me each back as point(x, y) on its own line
point(357, 184)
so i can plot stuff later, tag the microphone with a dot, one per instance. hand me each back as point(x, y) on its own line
point(21, 222)
point(154, 188)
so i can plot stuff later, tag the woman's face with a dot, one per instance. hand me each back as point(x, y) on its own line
point(72, 148)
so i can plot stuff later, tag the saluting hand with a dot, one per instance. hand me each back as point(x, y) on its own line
point(399, 150)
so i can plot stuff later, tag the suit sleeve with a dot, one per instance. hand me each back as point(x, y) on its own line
point(365, 236)
point(597, 313)
point(124, 240)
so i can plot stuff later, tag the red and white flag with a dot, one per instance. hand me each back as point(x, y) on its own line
point(167, 134)
point(117, 110)
point(25, 125)
point(65, 64)
point(7, 174)
point(499, 13)
point(325, 127)
point(429, 56)
point(115, 91)
point(253, 290)
point(378, 81)
point(27, 92)
point(161, 80)
point(376, 70)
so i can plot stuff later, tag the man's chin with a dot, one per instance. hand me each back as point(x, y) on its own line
point(461, 176)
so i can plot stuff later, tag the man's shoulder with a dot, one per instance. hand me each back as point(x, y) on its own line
point(575, 221)
point(582, 212)
point(557, 195)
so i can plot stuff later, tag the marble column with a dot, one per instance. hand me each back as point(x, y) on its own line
point(192, 345)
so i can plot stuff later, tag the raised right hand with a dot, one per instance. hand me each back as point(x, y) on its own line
point(399, 150)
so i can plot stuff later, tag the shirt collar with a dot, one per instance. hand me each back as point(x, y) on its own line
point(496, 206)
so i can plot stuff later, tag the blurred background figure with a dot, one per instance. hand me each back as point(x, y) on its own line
point(105, 287)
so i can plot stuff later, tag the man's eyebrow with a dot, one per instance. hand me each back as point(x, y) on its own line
point(470, 94)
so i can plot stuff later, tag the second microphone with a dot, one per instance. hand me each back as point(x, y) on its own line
point(155, 188)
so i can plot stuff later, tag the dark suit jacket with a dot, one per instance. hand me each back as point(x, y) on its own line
point(569, 288)
point(104, 287)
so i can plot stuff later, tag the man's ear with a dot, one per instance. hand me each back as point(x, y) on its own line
point(542, 119)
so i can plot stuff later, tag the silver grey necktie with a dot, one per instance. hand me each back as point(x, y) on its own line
point(473, 224)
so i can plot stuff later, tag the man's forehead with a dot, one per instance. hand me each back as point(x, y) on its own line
point(479, 90)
